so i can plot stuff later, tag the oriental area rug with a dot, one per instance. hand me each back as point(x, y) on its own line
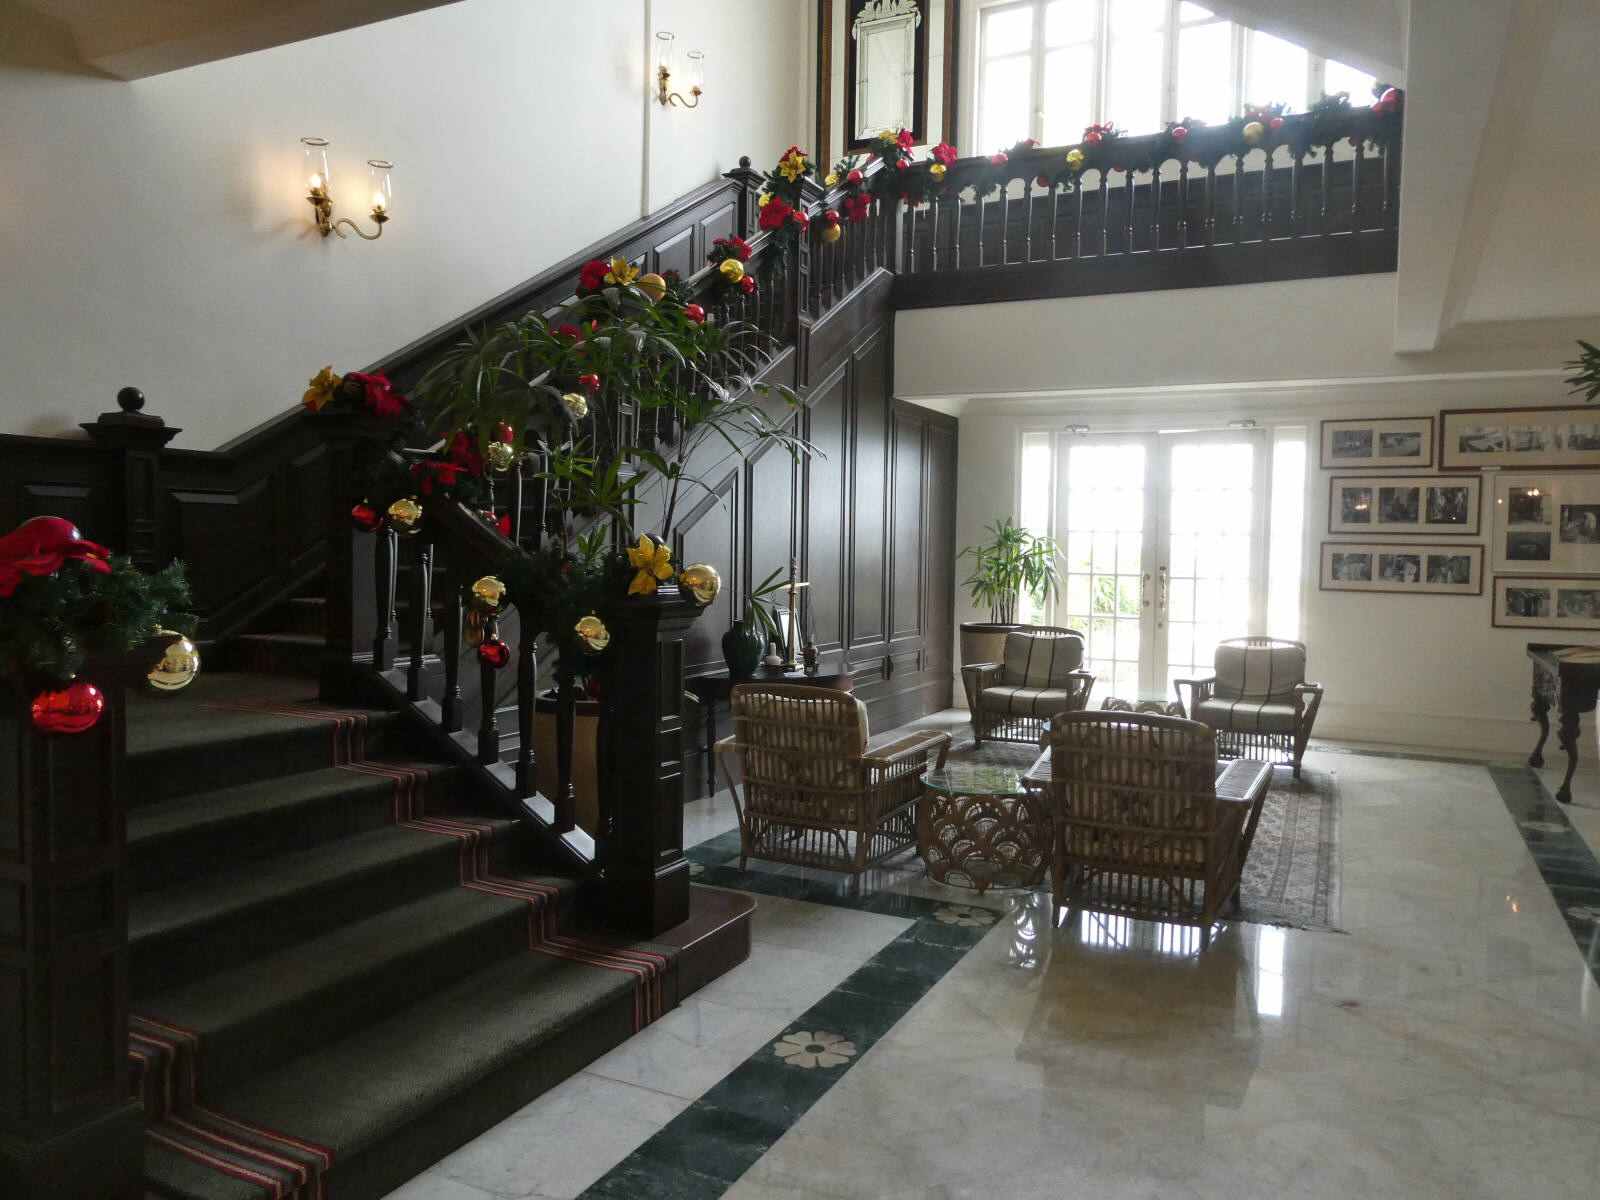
point(1292, 875)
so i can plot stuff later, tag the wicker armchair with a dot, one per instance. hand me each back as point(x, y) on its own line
point(1039, 676)
point(816, 792)
point(1258, 700)
point(1143, 823)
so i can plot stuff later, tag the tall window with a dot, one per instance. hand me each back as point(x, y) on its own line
point(1047, 68)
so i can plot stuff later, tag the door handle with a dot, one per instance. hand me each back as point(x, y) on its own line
point(1144, 590)
point(1163, 586)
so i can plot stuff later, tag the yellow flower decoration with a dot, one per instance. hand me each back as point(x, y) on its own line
point(792, 166)
point(762, 200)
point(937, 171)
point(322, 389)
point(833, 178)
point(888, 137)
point(1075, 159)
point(654, 562)
point(621, 272)
point(732, 270)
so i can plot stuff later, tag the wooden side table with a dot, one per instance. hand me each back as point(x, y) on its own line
point(1566, 678)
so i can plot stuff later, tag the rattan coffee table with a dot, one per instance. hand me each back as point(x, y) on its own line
point(978, 826)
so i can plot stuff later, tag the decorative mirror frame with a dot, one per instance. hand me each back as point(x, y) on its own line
point(869, 18)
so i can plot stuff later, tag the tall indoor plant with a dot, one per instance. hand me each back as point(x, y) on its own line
point(1013, 562)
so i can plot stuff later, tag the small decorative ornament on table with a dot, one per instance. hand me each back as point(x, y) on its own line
point(179, 665)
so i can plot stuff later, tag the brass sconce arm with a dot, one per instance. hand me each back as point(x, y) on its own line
point(667, 96)
point(322, 206)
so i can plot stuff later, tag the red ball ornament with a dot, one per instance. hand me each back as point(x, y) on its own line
point(1389, 101)
point(1091, 138)
point(1275, 123)
point(503, 432)
point(589, 383)
point(695, 313)
point(366, 517)
point(493, 653)
point(73, 709)
point(1179, 132)
point(1043, 181)
point(747, 285)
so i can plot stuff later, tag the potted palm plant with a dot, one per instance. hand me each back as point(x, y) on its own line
point(1010, 563)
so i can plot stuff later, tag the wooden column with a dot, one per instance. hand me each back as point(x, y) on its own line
point(68, 1125)
point(640, 760)
point(135, 440)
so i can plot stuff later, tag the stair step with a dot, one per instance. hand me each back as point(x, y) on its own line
point(188, 837)
point(276, 653)
point(394, 1097)
point(187, 931)
point(266, 1011)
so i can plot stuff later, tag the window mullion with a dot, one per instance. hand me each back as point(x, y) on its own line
point(1036, 111)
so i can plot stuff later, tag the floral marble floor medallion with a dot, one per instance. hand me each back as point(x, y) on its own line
point(808, 1050)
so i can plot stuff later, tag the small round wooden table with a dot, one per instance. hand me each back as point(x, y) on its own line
point(979, 827)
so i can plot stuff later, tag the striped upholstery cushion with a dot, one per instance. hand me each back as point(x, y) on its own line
point(1259, 672)
point(1034, 660)
point(1245, 716)
point(1024, 701)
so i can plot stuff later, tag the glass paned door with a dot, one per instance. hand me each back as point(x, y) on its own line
point(1163, 540)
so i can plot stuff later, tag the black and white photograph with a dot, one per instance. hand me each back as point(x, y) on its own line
point(1527, 602)
point(1580, 524)
point(1449, 568)
point(1578, 604)
point(1540, 602)
point(1447, 505)
point(1380, 442)
point(1555, 437)
point(1405, 505)
point(1400, 444)
point(1526, 506)
point(1418, 568)
point(1481, 439)
point(1399, 505)
point(1355, 505)
point(1352, 443)
point(1352, 568)
point(1524, 545)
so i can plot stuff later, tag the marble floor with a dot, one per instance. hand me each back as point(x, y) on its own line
point(924, 1042)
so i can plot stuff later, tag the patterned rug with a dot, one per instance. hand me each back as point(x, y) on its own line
point(1292, 875)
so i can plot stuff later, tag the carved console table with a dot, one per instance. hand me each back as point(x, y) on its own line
point(1566, 678)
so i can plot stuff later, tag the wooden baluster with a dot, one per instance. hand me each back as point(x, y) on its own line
point(1264, 232)
point(450, 701)
point(1325, 185)
point(1105, 211)
point(1005, 221)
point(1211, 206)
point(1238, 206)
point(1295, 169)
point(933, 232)
point(1183, 205)
point(383, 556)
point(1355, 186)
point(565, 801)
point(1055, 219)
point(421, 615)
point(978, 208)
point(1027, 221)
point(527, 685)
point(488, 729)
point(956, 233)
point(1077, 222)
point(1155, 209)
point(517, 493)
point(908, 235)
point(1389, 209)
point(1127, 232)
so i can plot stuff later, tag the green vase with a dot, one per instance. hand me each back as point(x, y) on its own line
point(742, 649)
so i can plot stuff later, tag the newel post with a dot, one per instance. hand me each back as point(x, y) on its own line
point(746, 218)
point(68, 1124)
point(350, 578)
point(135, 440)
point(640, 757)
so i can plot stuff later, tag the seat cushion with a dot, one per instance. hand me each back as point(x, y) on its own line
point(1260, 672)
point(1245, 716)
point(1023, 701)
point(1040, 660)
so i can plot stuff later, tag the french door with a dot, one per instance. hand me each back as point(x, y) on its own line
point(1165, 551)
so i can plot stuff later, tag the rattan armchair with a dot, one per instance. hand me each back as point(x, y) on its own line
point(816, 792)
point(1257, 701)
point(1038, 677)
point(1143, 825)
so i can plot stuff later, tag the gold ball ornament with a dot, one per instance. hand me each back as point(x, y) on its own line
point(652, 285)
point(405, 517)
point(701, 581)
point(488, 595)
point(832, 233)
point(593, 636)
point(179, 664)
point(499, 457)
point(1253, 132)
point(576, 405)
point(732, 270)
point(1075, 160)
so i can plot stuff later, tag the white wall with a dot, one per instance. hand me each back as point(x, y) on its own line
point(1410, 670)
point(156, 232)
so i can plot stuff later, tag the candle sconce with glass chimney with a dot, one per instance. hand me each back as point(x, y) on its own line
point(321, 200)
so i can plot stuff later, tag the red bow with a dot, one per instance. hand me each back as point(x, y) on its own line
point(41, 546)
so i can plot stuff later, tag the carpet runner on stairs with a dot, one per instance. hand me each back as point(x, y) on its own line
point(340, 971)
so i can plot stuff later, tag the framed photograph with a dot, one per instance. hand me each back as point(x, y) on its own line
point(1392, 442)
point(1547, 523)
point(1423, 569)
point(1561, 438)
point(1547, 602)
point(1405, 504)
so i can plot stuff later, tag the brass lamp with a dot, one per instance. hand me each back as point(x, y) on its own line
point(378, 169)
point(696, 70)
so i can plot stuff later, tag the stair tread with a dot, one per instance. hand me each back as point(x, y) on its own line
point(210, 899)
point(159, 725)
point(298, 639)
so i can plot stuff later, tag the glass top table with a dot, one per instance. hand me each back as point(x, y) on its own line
point(979, 825)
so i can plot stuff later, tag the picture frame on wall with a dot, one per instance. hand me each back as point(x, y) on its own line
point(1399, 505)
point(886, 69)
point(1569, 602)
point(1548, 523)
point(1389, 443)
point(1417, 568)
point(1562, 437)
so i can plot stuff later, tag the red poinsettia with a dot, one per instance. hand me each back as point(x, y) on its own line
point(857, 207)
point(1000, 159)
point(567, 332)
point(774, 213)
point(944, 153)
point(592, 275)
point(905, 141)
point(463, 452)
point(381, 397)
point(731, 246)
point(433, 472)
point(41, 546)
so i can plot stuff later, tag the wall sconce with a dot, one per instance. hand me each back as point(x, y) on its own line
point(316, 150)
point(696, 69)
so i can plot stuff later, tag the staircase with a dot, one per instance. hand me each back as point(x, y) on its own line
point(342, 968)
